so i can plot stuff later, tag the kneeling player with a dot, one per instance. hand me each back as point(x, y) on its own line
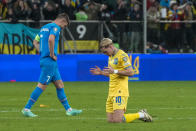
point(118, 70)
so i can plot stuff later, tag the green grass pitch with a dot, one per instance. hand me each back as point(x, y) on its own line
point(172, 105)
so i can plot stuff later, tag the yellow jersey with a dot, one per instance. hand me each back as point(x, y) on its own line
point(118, 84)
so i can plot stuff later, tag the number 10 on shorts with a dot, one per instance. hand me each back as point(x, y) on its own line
point(118, 99)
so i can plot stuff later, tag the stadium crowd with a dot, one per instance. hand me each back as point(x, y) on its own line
point(168, 35)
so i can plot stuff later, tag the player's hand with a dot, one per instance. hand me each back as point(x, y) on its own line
point(54, 57)
point(96, 70)
point(109, 70)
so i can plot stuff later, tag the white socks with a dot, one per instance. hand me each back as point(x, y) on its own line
point(25, 109)
point(70, 109)
point(141, 115)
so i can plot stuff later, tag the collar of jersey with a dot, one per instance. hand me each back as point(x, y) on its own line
point(116, 53)
point(57, 25)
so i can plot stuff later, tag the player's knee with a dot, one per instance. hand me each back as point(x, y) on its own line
point(117, 120)
point(110, 120)
point(60, 86)
point(42, 86)
point(114, 120)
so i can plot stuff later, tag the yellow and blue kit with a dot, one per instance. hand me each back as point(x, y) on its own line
point(118, 84)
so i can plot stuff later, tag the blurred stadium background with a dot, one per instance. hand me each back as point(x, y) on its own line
point(158, 35)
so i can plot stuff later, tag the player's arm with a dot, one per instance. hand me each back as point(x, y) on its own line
point(98, 71)
point(126, 72)
point(36, 42)
point(51, 42)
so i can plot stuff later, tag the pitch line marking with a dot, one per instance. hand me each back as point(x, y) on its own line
point(96, 109)
point(90, 118)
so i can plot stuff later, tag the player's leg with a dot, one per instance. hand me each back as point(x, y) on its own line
point(115, 108)
point(141, 115)
point(119, 104)
point(35, 95)
point(130, 117)
point(109, 109)
point(119, 107)
point(44, 80)
point(110, 117)
point(33, 98)
point(62, 96)
point(118, 116)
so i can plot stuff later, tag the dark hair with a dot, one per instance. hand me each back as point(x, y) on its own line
point(65, 16)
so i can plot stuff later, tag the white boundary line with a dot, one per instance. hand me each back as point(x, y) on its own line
point(94, 109)
point(88, 118)
point(55, 118)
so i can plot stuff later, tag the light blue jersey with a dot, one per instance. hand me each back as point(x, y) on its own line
point(45, 32)
point(49, 67)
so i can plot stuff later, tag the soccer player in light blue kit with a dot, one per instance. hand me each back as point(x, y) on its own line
point(46, 42)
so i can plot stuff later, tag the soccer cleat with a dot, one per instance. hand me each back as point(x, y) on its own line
point(147, 117)
point(73, 112)
point(28, 113)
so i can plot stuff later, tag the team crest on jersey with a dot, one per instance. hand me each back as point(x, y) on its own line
point(126, 64)
point(115, 61)
point(55, 29)
point(125, 59)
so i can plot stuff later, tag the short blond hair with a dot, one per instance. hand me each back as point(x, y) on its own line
point(105, 42)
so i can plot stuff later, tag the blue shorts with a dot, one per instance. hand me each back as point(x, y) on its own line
point(49, 71)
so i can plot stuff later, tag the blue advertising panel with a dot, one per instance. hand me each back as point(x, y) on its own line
point(156, 67)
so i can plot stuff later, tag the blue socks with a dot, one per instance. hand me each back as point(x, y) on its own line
point(38, 91)
point(62, 98)
point(33, 98)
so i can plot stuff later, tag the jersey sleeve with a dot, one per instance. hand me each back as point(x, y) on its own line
point(54, 31)
point(125, 61)
point(108, 62)
point(37, 38)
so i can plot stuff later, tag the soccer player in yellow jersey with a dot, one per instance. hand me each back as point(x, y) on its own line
point(118, 70)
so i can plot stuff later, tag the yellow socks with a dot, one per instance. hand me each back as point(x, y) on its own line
point(130, 117)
